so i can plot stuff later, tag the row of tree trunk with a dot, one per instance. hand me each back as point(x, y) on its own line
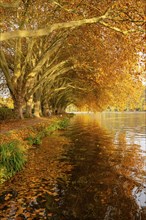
point(35, 107)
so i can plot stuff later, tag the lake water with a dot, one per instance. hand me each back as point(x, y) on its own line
point(108, 181)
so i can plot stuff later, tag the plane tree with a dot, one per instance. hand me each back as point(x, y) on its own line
point(30, 69)
point(30, 43)
point(118, 15)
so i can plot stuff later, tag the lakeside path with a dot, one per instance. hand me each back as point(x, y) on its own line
point(6, 126)
point(33, 192)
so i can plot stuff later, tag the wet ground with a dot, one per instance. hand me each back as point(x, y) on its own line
point(32, 194)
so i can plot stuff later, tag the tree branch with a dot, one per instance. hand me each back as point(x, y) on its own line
point(49, 75)
point(5, 69)
point(125, 32)
point(45, 31)
point(15, 4)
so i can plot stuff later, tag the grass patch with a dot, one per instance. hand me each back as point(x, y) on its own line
point(34, 140)
point(12, 159)
point(62, 124)
point(6, 113)
point(58, 125)
point(12, 155)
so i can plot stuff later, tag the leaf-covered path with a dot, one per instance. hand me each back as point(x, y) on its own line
point(6, 126)
point(32, 193)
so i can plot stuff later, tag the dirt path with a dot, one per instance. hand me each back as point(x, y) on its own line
point(6, 126)
point(33, 193)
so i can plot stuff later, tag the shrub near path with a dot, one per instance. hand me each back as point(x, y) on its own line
point(31, 193)
point(16, 138)
point(13, 124)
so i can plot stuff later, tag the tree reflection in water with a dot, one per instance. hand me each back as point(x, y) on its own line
point(104, 177)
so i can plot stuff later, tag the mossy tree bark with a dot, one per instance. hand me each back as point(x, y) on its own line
point(29, 107)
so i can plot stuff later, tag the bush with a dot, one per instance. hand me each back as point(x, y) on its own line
point(34, 140)
point(70, 115)
point(53, 127)
point(6, 113)
point(59, 125)
point(12, 159)
point(3, 175)
point(62, 124)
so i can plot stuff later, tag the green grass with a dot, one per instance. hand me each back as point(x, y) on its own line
point(6, 113)
point(62, 124)
point(12, 156)
point(12, 159)
point(58, 125)
point(34, 140)
point(53, 127)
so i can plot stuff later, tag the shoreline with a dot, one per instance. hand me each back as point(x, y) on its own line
point(17, 140)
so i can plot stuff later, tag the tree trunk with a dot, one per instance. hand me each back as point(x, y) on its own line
point(45, 109)
point(37, 109)
point(29, 106)
point(18, 104)
point(61, 110)
point(37, 103)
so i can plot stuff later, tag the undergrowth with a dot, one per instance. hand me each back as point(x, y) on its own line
point(62, 124)
point(58, 125)
point(12, 159)
point(6, 113)
point(34, 140)
point(12, 155)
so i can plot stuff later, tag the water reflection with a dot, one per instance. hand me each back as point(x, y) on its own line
point(108, 179)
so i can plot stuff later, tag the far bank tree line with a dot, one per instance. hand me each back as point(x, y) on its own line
point(83, 53)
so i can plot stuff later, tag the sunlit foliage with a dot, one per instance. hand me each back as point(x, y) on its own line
point(55, 53)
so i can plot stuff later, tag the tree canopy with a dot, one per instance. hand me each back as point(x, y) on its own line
point(55, 53)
